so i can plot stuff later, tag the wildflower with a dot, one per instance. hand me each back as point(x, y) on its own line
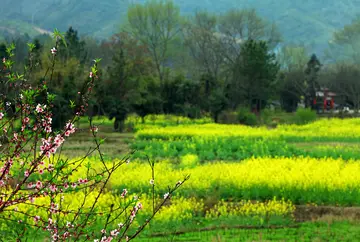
point(120, 225)
point(135, 198)
point(26, 173)
point(91, 74)
point(152, 181)
point(127, 161)
point(179, 183)
point(8, 104)
point(26, 120)
point(1, 115)
point(4, 60)
point(103, 231)
point(73, 185)
point(166, 195)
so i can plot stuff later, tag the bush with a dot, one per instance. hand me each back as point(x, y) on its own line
point(228, 117)
point(304, 116)
point(246, 117)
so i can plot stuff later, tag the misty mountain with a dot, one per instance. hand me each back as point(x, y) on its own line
point(300, 21)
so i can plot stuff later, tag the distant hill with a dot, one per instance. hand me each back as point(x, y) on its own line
point(300, 21)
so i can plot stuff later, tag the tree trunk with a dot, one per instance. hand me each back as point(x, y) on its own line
point(118, 125)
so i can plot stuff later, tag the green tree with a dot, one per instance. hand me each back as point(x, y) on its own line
point(74, 49)
point(293, 61)
point(258, 71)
point(148, 98)
point(312, 85)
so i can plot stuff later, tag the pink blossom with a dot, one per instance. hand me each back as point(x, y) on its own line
point(66, 186)
point(139, 206)
point(53, 51)
point(36, 218)
point(26, 173)
point(73, 185)
point(90, 74)
point(39, 109)
point(124, 192)
point(41, 171)
point(1, 115)
point(48, 129)
point(103, 231)
point(53, 188)
point(50, 167)
point(39, 185)
point(26, 120)
point(114, 233)
point(31, 199)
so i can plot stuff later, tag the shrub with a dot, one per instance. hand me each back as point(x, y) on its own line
point(189, 161)
point(246, 117)
point(304, 116)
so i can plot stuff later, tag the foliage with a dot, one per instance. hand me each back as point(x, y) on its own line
point(304, 116)
point(246, 117)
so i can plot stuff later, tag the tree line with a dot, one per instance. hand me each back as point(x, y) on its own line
point(163, 62)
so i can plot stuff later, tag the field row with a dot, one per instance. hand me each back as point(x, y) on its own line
point(180, 213)
point(238, 148)
point(300, 180)
point(322, 130)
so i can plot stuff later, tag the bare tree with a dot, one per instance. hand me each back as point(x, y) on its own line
point(200, 37)
point(238, 26)
point(345, 82)
point(155, 24)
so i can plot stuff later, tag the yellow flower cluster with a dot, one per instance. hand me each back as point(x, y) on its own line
point(300, 179)
point(249, 208)
point(324, 128)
